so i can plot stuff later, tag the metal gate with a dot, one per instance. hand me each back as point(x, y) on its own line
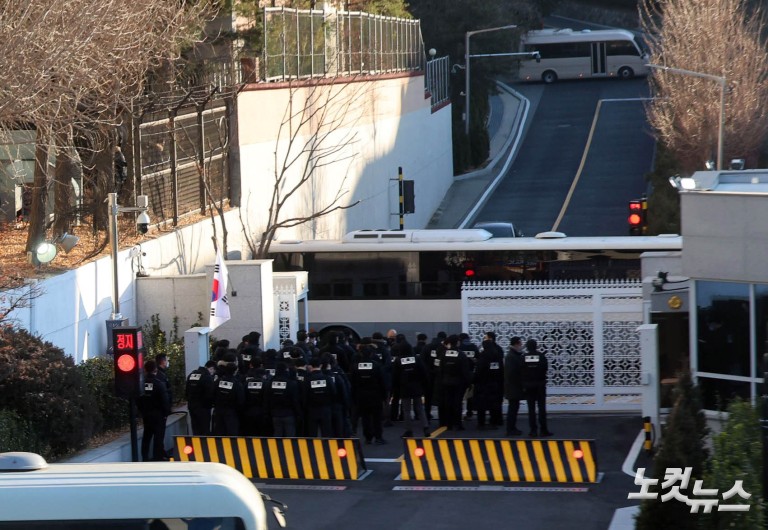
point(588, 331)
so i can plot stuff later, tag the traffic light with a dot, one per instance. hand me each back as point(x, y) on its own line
point(469, 270)
point(637, 218)
point(129, 361)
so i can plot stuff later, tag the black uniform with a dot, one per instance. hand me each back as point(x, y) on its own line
point(534, 378)
point(410, 379)
point(471, 350)
point(489, 383)
point(199, 394)
point(228, 400)
point(320, 392)
point(255, 419)
point(513, 388)
point(453, 380)
point(155, 406)
point(283, 403)
point(431, 356)
point(368, 393)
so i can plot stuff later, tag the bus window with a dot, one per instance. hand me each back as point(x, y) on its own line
point(621, 47)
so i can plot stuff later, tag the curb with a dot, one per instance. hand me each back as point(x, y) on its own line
point(508, 155)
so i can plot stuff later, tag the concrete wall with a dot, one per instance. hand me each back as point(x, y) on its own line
point(379, 125)
point(725, 236)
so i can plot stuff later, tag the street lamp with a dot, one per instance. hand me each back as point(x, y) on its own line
point(723, 89)
point(467, 56)
point(142, 223)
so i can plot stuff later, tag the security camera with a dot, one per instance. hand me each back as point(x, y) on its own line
point(142, 223)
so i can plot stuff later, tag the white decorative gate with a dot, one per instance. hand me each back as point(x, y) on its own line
point(588, 331)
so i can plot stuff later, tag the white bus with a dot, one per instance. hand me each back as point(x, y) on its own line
point(127, 496)
point(568, 54)
point(411, 280)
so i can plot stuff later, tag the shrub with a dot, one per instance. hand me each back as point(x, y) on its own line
point(738, 455)
point(99, 376)
point(681, 447)
point(42, 385)
point(17, 434)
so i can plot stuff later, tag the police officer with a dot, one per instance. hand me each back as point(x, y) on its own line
point(513, 383)
point(199, 394)
point(228, 398)
point(471, 350)
point(342, 427)
point(255, 412)
point(431, 355)
point(453, 379)
point(534, 377)
point(320, 392)
point(489, 384)
point(283, 402)
point(162, 372)
point(155, 406)
point(369, 391)
point(410, 380)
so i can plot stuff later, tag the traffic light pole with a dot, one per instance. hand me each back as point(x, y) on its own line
point(134, 431)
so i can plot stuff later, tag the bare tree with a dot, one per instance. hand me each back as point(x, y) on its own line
point(716, 37)
point(317, 131)
point(70, 67)
point(16, 293)
point(206, 152)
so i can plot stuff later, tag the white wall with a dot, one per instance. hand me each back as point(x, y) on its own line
point(380, 125)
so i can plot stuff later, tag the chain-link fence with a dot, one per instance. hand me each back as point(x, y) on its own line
point(313, 43)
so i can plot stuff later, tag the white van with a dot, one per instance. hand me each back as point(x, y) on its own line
point(35, 495)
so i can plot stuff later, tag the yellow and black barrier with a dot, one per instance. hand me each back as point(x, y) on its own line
point(499, 460)
point(279, 458)
point(648, 430)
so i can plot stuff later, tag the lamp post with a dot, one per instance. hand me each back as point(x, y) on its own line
point(142, 204)
point(723, 88)
point(467, 56)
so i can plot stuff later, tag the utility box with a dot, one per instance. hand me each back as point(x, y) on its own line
point(196, 348)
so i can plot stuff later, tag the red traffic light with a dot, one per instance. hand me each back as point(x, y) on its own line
point(637, 216)
point(469, 273)
point(126, 362)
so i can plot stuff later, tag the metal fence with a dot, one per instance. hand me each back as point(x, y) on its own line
point(313, 43)
point(438, 82)
point(183, 159)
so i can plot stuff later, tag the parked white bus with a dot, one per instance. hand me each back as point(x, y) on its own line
point(411, 280)
point(127, 496)
point(568, 54)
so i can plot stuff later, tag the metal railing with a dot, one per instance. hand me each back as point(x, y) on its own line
point(438, 81)
point(301, 43)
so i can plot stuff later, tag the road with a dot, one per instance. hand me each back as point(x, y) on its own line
point(382, 502)
point(585, 154)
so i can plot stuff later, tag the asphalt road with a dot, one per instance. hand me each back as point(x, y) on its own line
point(585, 154)
point(383, 502)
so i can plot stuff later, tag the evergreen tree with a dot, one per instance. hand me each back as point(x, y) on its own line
point(738, 455)
point(682, 446)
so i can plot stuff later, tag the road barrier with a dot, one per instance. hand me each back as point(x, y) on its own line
point(279, 458)
point(499, 460)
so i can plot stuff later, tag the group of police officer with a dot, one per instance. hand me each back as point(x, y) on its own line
point(308, 390)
